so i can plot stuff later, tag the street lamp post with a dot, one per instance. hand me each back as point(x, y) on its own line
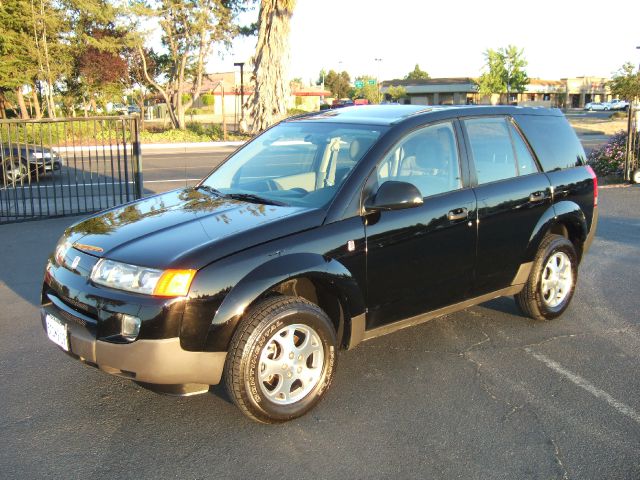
point(241, 65)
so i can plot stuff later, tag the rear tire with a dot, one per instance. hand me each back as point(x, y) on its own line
point(551, 283)
point(282, 359)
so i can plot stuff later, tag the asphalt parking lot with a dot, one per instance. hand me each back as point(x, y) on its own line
point(481, 394)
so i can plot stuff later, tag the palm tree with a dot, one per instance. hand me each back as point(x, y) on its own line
point(268, 102)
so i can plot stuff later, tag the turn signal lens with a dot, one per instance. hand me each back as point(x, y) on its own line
point(174, 283)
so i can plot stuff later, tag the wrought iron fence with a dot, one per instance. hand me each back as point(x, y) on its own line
point(67, 166)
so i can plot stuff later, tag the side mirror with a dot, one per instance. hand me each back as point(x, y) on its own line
point(395, 196)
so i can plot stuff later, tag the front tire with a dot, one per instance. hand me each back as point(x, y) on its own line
point(282, 359)
point(14, 172)
point(551, 283)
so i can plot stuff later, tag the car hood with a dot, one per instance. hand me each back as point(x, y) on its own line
point(186, 229)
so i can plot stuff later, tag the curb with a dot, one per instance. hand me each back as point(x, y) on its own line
point(615, 185)
point(149, 147)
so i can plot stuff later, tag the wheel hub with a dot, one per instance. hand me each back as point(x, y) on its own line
point(291, 364)
point(557, 279)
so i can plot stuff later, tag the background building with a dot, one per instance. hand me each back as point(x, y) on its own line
point(563, 93)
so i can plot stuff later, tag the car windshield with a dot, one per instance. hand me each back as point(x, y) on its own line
point(294, 163)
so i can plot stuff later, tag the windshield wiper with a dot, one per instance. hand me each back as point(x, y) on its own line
point(209, 189)
point(250, 197)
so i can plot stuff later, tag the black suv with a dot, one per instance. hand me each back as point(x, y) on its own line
point(324, 231)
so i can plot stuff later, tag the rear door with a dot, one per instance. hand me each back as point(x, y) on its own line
point(512, 195)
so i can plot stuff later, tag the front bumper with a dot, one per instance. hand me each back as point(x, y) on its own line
point(160, 361)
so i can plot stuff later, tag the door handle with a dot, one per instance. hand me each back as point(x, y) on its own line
point(537, 196)
point(458, 214)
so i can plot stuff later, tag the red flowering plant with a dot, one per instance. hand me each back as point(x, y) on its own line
point(608, 159)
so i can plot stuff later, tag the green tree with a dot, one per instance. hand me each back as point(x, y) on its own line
point(271, 90)
point(29, 34)
point(339, 84)
point(503, 72)
point(417, 74)
point(97, 62)
point(625, 83)
point(369, 90)
point(190, 30)
point(17, 66)
point(396, 92)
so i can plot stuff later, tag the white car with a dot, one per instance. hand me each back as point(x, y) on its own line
point(591, 106)
point(619, 104)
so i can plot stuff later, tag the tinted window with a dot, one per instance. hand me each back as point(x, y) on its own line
point(491, 149)
point(553, 140)
point(526, 163)
point(427, 158)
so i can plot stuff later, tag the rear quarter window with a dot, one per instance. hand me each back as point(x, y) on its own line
point(553, 140)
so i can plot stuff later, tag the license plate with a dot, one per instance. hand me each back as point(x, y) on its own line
point(57, 332)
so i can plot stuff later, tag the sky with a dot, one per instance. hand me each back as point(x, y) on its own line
point(560, 38)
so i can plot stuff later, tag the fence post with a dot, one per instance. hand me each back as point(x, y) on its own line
point(137, 156)
point(627, 156)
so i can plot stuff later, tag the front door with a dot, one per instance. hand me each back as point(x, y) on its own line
point(421, 258)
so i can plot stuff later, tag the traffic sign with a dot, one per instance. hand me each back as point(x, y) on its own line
point(371, 82)
point(359, 83)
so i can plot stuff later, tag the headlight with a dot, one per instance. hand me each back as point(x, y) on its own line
point(148, 281)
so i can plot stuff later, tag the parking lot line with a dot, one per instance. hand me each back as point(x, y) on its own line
point(622, 408)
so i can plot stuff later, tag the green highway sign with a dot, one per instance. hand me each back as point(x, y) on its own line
point(359, 83)
point(371, 82)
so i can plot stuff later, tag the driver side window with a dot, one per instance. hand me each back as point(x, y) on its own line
point(426, 158)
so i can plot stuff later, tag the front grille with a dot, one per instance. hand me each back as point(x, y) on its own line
point(74, 303)
point(72, 318)
point(69, 313)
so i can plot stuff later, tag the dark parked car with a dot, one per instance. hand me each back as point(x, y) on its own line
point(325, 231)
point(21, 163)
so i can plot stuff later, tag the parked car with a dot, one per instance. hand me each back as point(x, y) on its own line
point(119, 108)
point(619, 104)
point(20, 162)
point(324, 231)
point(597, 106)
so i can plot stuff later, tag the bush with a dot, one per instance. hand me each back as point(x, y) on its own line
point(213, 132)
point(608, 159)
point(208, 100)
point(295, 111)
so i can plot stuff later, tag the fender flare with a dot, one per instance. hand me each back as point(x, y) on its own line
point(565, 212)
point(330, 272)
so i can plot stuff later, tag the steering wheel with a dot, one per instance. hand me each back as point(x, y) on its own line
point(272, 185)
point(299, 190)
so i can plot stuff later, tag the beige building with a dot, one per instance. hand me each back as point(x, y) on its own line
point(563, 93)
point(582, 90)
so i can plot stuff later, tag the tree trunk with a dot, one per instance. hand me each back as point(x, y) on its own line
point(268, 102)
point(24, 113)
point(36, 103)
point(3, 105)
point(50, 101)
